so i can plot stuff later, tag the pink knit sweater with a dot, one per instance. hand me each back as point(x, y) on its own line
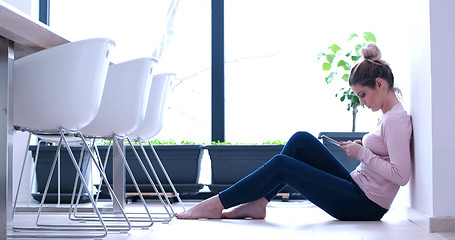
point(385, 157)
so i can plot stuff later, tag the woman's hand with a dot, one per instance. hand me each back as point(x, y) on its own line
point(351, 148)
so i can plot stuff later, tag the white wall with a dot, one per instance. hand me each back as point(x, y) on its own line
point(442, 38)
point(421, 186)
point(29, 7)
point(431, 193)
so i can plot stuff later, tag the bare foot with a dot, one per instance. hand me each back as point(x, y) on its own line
point(210, 208)
point(255, 210)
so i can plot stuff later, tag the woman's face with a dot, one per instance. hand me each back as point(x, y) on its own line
point(369, 97)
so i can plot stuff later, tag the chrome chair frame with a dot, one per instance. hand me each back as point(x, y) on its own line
point(70, 227)
point(136, 218)
point(163, 169)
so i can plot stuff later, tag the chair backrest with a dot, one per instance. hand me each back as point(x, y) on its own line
point(124, 99)
point(60, 87)
point(156, 106)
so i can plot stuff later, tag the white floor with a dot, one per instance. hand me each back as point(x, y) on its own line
point(285, 220)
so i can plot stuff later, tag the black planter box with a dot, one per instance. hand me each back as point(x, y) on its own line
point(230, 163)
point(349, 163)
point(182, 163)
point(67, 174)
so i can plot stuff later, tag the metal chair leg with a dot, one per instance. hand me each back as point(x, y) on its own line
point(22, 172)
point(125, 163)
point(32, 180)
point(169, 214)
point(148, 219)
point(157, 179)
point(75, 200)
point(167, 176)
point(104, 165)
point(52, 228)
point(100, 168)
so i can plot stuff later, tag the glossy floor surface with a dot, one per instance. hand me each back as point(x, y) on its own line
point(296, 219)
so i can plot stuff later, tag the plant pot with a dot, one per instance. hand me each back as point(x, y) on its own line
point(349, 163)
point(230, 163)
point(68, 173)
point(182, 163)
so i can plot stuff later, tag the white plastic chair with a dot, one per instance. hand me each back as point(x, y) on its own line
point(153, 122)
point(58, 91)
point(47, 82)
point(152, 125)
point(122, 110)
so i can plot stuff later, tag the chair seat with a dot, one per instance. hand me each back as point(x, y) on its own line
point(153, 121)
point(124, 99)
point(60, 87)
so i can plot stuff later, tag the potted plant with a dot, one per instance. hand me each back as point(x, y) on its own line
point(232, 162)
point(338, 61)
point(45, 158)
point(182, 163)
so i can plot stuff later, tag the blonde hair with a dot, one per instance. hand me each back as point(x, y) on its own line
point(371, 67)
point(372, 53)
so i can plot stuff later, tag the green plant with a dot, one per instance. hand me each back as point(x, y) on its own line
point(154, 142)
point(339, 60)
point(171, 142)
point(276, 142)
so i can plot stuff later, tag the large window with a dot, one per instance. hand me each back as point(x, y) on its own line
point(274, 83)
point(137, 27)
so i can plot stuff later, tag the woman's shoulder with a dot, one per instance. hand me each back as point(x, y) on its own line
point(397, 117)
point(396, 111)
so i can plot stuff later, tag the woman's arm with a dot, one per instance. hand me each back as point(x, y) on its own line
point(396, 132)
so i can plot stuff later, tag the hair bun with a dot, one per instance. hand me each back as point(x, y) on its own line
point(371, 52)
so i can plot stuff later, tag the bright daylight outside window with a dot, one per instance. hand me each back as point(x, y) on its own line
point(274, 83)
point(137, 27)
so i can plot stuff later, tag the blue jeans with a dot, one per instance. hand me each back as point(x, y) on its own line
point(306, 165)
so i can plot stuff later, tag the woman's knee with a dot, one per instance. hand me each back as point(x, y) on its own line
point(280, 161)
point(302, 136)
